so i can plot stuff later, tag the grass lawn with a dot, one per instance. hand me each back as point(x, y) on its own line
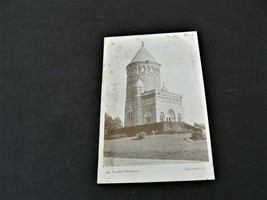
point(167, 146)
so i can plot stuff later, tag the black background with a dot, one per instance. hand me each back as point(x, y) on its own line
point(51, 65)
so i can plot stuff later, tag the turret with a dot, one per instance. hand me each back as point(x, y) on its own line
point(139, 87)
point(144, 67)
point(143, 75)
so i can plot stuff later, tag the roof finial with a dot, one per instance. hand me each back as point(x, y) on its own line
point(142, 43)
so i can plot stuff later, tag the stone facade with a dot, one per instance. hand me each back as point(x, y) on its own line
point(146, 101)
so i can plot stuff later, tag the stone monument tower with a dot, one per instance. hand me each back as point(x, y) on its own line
point(146, 101)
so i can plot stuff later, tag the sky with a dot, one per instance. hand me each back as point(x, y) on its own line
point(178, 54)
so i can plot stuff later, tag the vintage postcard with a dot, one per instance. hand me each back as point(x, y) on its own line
point(154, 123)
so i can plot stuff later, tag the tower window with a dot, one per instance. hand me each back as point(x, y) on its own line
point(143, 70)
point(147, 117)
point(139, 69)
point(130, 114)
point(162, 117)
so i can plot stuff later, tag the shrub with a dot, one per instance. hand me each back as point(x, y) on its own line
point(118, 136)
point(141, 135)
point(198, 135)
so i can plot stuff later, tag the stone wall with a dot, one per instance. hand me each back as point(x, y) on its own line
point(133, 130)
point(159, 128)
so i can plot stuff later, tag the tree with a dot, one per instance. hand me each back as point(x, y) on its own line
point(111, 123)
point(117, 123)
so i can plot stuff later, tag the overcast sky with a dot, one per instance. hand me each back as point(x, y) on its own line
point(181, 70)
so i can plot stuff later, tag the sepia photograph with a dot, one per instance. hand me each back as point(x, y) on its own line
point(153, 110)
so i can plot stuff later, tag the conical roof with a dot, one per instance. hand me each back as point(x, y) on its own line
point(139, 83)
point(143, 55)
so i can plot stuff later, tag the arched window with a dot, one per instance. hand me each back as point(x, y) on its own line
point(147, 117)
point(171, 116)
point(130, 114)
point(179, 118)
point(162, 117)
point(139, 70)
point(148, 69)
point(143, 70)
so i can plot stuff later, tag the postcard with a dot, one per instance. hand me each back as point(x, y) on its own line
point(153, 123)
